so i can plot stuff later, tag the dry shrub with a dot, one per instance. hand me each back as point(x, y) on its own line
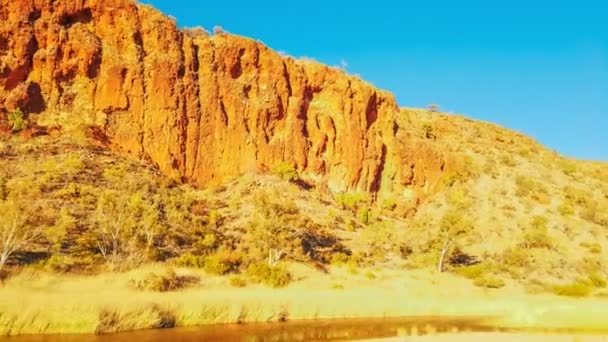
point(578, 288)
point(489, 281)
point(237, 281)
point(150, 317)
point(222, 263)
point(166, 281)
point(274, 276)
point(474, 271)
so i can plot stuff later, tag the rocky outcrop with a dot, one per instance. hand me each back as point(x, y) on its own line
point(203, 108)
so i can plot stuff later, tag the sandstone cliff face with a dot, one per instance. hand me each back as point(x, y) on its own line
point(204, 109)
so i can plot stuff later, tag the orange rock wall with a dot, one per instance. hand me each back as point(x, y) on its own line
point(204, 109)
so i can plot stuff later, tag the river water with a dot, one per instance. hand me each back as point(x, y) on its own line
point(313, 330)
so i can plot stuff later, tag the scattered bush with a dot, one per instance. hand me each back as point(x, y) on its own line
point(515, 257)
point(428, 130)
point(474, 271)
point(189, 260)
point(352, 200)
point(166, 281)
point(529, 187)
point(370, 275)
point(340, 259)
point(286, 171)
point(382, 239)
point(389, 203)
point(568, 167)
point(433, 108)
point(278, 230)
point(17, 120)
point(364, 215)
point(58, 263)
point(222, 263)
point(274, 276)
point(237, 281)
point(149, 317)
point(593, 247)
point(537, 236)
point(597, 279)
point(454, 223)
point(489, 281)
point(577, 196)
point(577, 288)
point(508, 160)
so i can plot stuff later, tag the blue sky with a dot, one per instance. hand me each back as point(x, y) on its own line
point(539, 67)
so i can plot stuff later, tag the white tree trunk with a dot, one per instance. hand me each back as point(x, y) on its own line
point(444, 252)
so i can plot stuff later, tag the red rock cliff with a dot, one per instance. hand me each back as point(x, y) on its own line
point(202, 108)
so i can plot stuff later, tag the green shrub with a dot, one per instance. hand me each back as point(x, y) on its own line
point(17, 120)
point(474, 271)
point(489, 281)
point(237, 281)
point(364, 215)
point(222, 263)
point(352, 200)
point(370, 275)
point(340, 258)
point(274, 276)
point(455, 223)
point(286, 171)
point(389, 203)
point(579, 288)
point(57, 263)
point(166, 281)
point(189, 260)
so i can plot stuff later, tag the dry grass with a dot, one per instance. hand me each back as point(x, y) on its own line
point(37, 303)
point(533, 220)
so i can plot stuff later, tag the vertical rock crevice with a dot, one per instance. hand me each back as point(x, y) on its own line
point(205, 108)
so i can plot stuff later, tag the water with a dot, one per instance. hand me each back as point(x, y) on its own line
point(313, 330)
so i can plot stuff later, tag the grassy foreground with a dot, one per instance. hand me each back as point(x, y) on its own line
point(42, 303)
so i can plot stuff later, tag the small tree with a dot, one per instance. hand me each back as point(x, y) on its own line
point(279, 230)
point(286, 171)
point(147, 215)
point(453, 225)
point(18, 227)
point(433, 108)
point(114, 228)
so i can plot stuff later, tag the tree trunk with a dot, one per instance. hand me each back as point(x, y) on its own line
point(3, 260)
point(444, 252)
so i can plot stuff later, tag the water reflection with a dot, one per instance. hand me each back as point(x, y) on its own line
point(317, 330)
